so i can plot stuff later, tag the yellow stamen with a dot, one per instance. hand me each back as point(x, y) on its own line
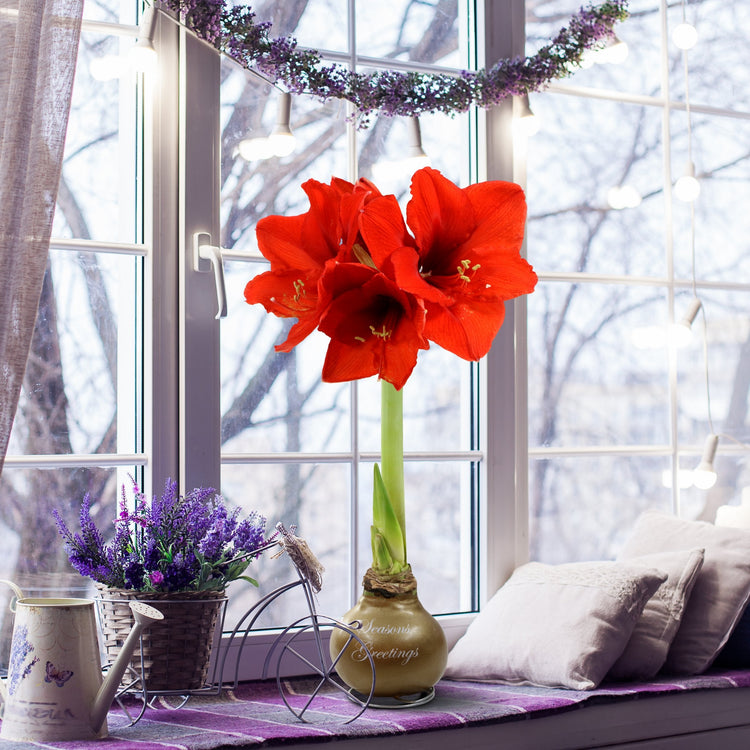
point(299, 289)
point(466, 266)
point(384, 334)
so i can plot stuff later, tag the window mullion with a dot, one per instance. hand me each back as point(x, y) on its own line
point(200, 416)
point(503, 524)
point(160, 231)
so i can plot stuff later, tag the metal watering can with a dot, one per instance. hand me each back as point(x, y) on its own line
point(55, 689)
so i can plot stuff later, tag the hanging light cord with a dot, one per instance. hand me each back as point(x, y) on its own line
point(692, 230)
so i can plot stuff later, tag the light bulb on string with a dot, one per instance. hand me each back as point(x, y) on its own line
point(142, 54)
point(704, 476)
point(615, 53)
point(416, 157)
point(282, 140)
point(623, 196)
point(525, 122)
point(687, 188)
point(684, 35)
point(681, 332)
point(255, 149)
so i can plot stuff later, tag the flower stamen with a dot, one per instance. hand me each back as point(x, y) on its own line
point(384, 334)
point(464, 268)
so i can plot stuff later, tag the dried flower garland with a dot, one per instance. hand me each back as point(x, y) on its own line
point(235, 32)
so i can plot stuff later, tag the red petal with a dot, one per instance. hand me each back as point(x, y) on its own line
point(465, 330)
point(280, 241)
point(500, 215)
point(439, 213)
point(374, 327)
point(283, 293)
point(383, 228)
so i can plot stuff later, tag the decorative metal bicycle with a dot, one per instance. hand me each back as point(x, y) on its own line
point(286, 654)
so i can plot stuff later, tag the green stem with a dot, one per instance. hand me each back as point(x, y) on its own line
point(392, 451)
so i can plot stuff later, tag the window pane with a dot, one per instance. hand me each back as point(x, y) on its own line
point(97, 188)
point(722, 32)
point(83, 387)
point(71, 392)
point(728, 346)
point(572, 225)
point(111, 11)
point(315, 496)
point(320, 24)
point(723, 167)
point(639, 73)
point(421, 32)
point(582, 508)
point(598, 371)
point(275, 402)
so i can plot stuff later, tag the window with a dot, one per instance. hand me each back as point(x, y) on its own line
point(131, 373)
point(618, 419)
point(151, 384)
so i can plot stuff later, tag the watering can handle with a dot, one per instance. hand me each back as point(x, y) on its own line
point(12, 606)
point(16, 591)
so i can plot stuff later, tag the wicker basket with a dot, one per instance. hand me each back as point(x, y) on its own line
point(177, 650)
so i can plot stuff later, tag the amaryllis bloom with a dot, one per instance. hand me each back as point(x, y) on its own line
point(463, 257)
point(375, 327)
point(381, 288)
point(299, 247)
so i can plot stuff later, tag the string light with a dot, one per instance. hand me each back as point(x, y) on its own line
point(614, 53)
point(282, 140)
point(681, 332)
point(684, 35)
point(704, 476)
point(416, 156)
point(623, 196)
point(687, 188)
point(525, 122)
point(142, 54)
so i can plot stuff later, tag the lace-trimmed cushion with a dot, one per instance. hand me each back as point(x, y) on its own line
point(721, 590)
point(555, 626)
point(654, 632)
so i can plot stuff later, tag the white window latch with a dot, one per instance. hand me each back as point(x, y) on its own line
point(207, 257)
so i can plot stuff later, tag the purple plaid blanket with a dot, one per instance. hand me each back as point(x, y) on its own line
point(255, 714)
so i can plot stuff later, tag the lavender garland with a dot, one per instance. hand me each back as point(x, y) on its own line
point(235, 32)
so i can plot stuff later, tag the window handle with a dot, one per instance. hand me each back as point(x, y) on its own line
point(205, 258)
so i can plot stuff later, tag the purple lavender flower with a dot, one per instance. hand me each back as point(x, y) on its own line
point(173, 543)
point(156, 577)
point(235, 32)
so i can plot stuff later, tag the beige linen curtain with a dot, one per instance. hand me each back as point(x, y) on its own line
point(38, 49)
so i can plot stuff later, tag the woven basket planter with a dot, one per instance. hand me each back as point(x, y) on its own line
point(177, 650)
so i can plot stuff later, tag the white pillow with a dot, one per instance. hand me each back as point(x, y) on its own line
point(647, 648)
point(555, 626)
point(721, 590)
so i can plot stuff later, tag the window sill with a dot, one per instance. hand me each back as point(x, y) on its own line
point(689, 714)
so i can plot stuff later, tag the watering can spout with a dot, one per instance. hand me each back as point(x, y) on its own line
point(144, 615)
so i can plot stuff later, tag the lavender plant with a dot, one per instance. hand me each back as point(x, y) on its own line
point(174, 543)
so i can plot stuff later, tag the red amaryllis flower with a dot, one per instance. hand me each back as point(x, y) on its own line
point(299, 247)
point(463, 260)
point(375, 327)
